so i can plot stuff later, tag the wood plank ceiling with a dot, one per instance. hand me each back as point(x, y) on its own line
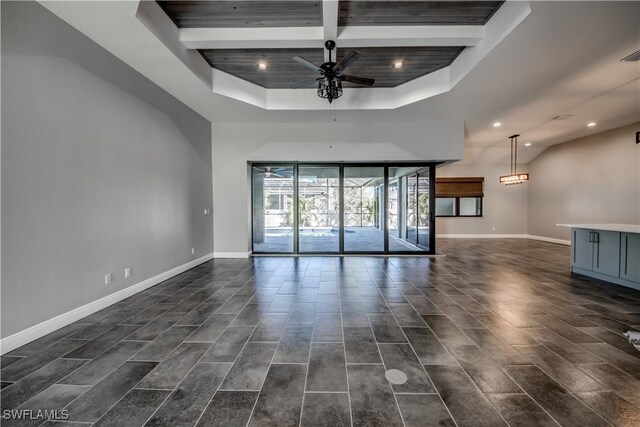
point(416, 12)
point(243, 14)
point(375, 62)
point(282, 72)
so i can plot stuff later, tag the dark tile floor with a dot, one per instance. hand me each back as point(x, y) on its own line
point(495, 333)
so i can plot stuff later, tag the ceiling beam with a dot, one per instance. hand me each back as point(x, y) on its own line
point(422, 35)
point(330, 9)
point(251, 38)
point(314, 37)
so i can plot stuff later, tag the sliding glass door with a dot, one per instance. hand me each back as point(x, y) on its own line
point(363, 195)
point(423, 213)
point(410, 218)
point(273, 208)
point(318, 209)
point(335, 208)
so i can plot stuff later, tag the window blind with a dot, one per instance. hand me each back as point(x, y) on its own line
point(460, 187)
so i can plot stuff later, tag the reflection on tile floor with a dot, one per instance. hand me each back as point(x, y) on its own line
point(326, 240)
point(495, 333)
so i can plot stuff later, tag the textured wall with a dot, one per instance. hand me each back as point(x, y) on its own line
point(504, 206)
point(101, 170)
point(372, 138)
point(590, 180)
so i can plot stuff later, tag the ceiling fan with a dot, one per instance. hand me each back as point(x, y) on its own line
point(331, 77)
point(272, 172)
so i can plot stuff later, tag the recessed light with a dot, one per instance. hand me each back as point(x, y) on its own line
point(591, 124)
point(527, 144)
point(398, 64)
point(262, 65)
point(497, 124)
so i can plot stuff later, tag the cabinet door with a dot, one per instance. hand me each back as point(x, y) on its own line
point(630, 257)
point(606, 253)
point(582, 256)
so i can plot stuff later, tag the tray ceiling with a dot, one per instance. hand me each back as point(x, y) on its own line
point(412, 49)
point(376, 61)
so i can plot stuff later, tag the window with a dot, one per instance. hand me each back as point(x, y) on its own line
point(445, 206)
point(459, 197)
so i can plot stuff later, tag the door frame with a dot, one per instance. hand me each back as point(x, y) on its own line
point(422, 166)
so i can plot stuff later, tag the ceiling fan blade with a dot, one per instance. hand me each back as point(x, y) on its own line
point(358, 80)
point(304, 83)
point(307, 64)
point(347, 60)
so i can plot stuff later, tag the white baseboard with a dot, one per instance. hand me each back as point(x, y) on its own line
point(504, 236)
point(231, 254)
point(41, 329)
point(481, 236)
point(549, 240)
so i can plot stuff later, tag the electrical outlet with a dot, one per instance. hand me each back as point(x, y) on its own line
point(206, 211)
point(127, 272)
point(193, 251)
point(493, 229)
point(107, 278)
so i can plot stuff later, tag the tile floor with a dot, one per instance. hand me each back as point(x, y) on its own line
point(495, 333)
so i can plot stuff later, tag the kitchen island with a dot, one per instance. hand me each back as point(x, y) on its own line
point(609, 252)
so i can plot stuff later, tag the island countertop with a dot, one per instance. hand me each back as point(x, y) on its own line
point(623, 228)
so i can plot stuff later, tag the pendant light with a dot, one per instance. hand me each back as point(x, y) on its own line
point(514, 177)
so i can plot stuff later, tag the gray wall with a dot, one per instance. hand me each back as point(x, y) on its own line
point(372, 136)
point(590, 180)
point(504, 207)
point(101, 170)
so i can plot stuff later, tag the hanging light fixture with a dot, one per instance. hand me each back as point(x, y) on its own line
point(330, 88)
point(514, 177)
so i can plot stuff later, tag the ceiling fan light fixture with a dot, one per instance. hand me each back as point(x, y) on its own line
point(262, 65)
point(330, 88)
point(331, 74)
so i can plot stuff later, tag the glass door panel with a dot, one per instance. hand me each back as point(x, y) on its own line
point(318, 209)
point(424, 210)
point(402, 208)
point(272, 199)
point(412, 209)
point(363, 201)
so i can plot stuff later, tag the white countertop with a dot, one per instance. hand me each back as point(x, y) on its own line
point(624, 228)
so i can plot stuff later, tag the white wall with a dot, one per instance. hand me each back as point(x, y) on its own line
point(504, 206)
point(589, 180)
point(101, 170)
point(370, 139)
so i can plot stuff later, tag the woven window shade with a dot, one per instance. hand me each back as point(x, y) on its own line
point(460, 187)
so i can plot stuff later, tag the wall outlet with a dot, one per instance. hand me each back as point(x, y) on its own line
point(127, 272)
point(206, 211)
point(493, 229)
point(107, 278)
point(193, 251)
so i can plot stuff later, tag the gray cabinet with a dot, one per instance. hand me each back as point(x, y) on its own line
point(596, 250)
point(607, 255)
point(630, 257)
point(582, 246)
point(606, 252)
